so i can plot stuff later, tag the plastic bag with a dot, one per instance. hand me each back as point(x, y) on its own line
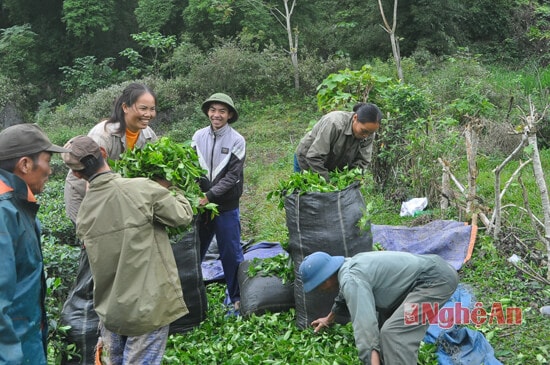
point(410, 207)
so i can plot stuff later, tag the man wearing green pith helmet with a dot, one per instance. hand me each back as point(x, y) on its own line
point(221, 151)
point(375, 289)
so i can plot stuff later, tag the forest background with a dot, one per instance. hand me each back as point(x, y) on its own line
point(437, 69)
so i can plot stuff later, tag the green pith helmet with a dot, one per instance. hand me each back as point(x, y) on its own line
point(318, 267)
point(221, 98)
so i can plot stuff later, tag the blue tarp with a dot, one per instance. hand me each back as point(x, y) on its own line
point(460, 345)
point(452, 240)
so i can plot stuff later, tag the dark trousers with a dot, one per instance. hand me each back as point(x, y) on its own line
point(296, 164)
point(227, 228)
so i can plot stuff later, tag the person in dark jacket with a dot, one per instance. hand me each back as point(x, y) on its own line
point(338, 140)
point(25, 153)
point(221, 152)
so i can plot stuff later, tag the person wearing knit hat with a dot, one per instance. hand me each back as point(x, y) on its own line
point(25, 154)
point(221, 151)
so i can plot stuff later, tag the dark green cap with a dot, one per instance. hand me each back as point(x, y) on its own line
point(221, 98)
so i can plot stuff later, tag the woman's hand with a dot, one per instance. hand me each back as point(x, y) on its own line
point(203, 201)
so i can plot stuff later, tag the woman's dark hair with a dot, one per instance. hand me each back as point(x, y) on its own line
point(129, 96)
point(367, 113)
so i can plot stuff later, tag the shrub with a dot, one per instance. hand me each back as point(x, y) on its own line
point(342, 90)
point(89, 109)
point(11, 91)
point(185, 58)
point(313, 70)
point(84, 112)
point(459, 86)
point(86, 76)
point(60, 265)
point(55, 222)
point(17, 95)
point(240, 72)
point(497, 138)
point(18, 53)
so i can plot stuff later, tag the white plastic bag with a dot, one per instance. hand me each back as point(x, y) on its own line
point(410, 207)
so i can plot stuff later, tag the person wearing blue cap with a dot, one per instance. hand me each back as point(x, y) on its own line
point(376, 289)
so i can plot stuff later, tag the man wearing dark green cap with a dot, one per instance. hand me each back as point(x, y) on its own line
point(25, 153)
point(221, 151)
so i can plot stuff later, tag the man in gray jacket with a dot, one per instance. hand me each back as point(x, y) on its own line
point(221, 151)
point(122, 223)
point(378, 290)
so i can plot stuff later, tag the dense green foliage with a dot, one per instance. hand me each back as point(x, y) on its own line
point(169, 160)
point(58, 46)
point(267, 339)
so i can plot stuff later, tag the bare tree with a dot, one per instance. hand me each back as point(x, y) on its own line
point(284, 20)
point(495, 225)
point(471, 135)
point(393, 38)
point(530, 128)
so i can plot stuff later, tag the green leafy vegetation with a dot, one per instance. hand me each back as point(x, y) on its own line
point(61, 263)
point(279, 265)
point(268, 339)
point(166, 159)
point(310, 182)
point(54, 48)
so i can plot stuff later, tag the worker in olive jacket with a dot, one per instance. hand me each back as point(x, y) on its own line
point(122, 223)
point(340, 139)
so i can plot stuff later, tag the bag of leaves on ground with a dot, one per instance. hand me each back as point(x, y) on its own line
point(187, 254)
point(327, 216)
point(262, 290)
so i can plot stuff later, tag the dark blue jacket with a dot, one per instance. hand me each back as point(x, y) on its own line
point(23, 329)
